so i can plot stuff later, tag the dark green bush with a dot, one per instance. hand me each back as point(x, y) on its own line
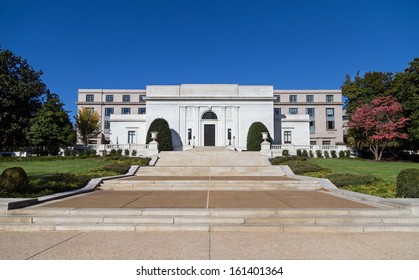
point(112, 152)
point(164, 136)
point(119, 152)
point(120, 168)
point(311, 153)
point(299, 153)
point(342, 180)
point(285, 160)
point(341, 154)
point(14, 179)
point(347, 154)
point(126, 152)
point(408, 183)
point(301, 167)
point(305, 154)
point(134, 153)
point(326, 154)
point(285, 153)
point(254, 136)
point(333, 153)
point(319, 153)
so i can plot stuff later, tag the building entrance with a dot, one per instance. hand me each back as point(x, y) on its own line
point(209, 135)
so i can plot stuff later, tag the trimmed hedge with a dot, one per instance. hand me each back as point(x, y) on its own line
point(301, 167)
point(408, 183)
point(120, 168)
point(254, 136)
point(14, 179)
point(164, 136)
point(345, 179)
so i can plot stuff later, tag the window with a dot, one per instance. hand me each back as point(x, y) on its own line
point(126, 98)
point(109, 98)
point(90, 98)
point(293, 111)
point(329, 98)
point(277, 111)
point(107, 125)
point(108, 112)
point(309, 98)
point(293, 98)
point(313, 142)
point(141, 111)
point(311, 113)
point(209, 116)
point(126, 111)
point(277, 98)
point(326, 143)
point(330, 118)
point(287, 137)
point(141, 99)
point(131, 137)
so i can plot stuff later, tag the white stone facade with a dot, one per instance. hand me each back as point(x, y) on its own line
point(217, 114)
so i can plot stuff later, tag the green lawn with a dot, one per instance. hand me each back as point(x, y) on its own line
point(43, 168)
point(387, 171)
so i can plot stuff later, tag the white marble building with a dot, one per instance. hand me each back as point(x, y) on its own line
point(217, 114)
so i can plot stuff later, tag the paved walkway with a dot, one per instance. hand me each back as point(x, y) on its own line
point(207, 246)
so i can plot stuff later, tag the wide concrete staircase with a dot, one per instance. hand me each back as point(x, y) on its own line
point(212, 170)
point(210, 220)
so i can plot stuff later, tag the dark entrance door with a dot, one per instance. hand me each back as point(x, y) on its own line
point(209, 135)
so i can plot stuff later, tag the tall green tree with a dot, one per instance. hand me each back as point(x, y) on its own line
point(254, 136)
point(21, 90)
point(406, 90)
point(51, 127)
point(87, 124)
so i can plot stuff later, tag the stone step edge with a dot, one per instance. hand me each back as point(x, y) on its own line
point(215, 228)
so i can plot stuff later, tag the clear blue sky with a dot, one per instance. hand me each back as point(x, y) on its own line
point(131, 44)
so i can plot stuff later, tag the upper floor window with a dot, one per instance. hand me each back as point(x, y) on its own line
point(277, 98)
point(277, 111)
point(293, 111)
point(330, 112)
point(126, 98)
point(310, 112)
point(90, 98)
point(293, 98)
point(126, 111)
point(329, 98)
point(310, 98)
point(141, 111)
point(109, 98)
point(108, 112)
point(141, 98)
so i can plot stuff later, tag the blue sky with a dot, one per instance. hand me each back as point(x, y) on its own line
point(131, 44)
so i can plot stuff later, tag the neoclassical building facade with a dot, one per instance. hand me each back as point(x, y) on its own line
point(217, 114)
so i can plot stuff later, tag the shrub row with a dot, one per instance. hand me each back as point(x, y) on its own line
point(345, 179)
point(408, 183)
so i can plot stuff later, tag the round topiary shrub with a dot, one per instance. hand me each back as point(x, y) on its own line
point(254, 136)
point(301, 167)
point(164, 136)
point(14, 179)
point(408, 183)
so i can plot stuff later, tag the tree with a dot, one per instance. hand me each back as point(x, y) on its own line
point(21, 89)
point(379, 122)
point(406, 90)
point(51, 126)
point(164, 138)
point(254, 136)
point(87, 124)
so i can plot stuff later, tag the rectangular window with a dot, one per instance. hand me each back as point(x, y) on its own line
point(329, 98)
point(293, 98)
point(330, 118)
point(277, 111)
point(313, 142)
point(330, 125)
point(309, 98)
point(131, 137)
point(109, 98)
point(310, 112)
point(287, 137)
point(141, 99)
point(126, 98)
point(293, 111)
point(90, 98)
point(126, 111)
point(326, 143)
point(107, 125)
point(108, 112)
point(277, 98)
point(141, 111)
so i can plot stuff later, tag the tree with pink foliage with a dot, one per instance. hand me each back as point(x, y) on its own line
point(379, 122)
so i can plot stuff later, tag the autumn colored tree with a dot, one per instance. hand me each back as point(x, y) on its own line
point(88, 124)
point(379, 122)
